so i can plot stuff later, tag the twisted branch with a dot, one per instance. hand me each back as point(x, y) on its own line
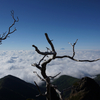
point(4, 35)
point(52, 77)
point(39, 76)
point(39, 90)
point(53, 53)
point(59, 93)
point(73, 47)
point(72, 58)
point(42, 53)
point(66, 56)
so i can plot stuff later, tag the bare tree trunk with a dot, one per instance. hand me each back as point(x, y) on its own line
point(48, 90)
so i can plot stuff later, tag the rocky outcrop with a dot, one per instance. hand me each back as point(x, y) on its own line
point(85, 89)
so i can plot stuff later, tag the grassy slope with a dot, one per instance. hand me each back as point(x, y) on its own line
point(64, 82)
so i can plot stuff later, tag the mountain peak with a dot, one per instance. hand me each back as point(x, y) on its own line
point(10, 77)
point(85, 89)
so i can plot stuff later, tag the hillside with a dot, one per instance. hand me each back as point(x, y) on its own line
point(64, 81)
point(13, 88)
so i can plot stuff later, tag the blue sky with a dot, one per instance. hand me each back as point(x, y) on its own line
point(63, 20)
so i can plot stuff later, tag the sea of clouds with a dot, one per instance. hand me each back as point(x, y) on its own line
point(18, 63)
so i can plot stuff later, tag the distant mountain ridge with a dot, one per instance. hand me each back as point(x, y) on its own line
point(64, 82)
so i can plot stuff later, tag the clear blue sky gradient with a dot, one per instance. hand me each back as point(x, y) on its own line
point(63, 20)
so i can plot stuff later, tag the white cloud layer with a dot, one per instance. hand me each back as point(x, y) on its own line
point(18, 63)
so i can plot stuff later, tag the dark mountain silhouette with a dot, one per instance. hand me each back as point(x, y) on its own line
point(13, 88)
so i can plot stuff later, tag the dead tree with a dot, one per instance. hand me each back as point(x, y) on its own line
point(4, 35)
point(42, 65)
